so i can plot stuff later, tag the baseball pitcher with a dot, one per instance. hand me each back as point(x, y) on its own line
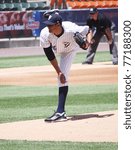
point(64, 38)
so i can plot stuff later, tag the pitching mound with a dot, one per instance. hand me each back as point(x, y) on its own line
point(94, 127)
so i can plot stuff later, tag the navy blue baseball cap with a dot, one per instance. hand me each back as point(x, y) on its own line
point(47, 13)
point(53, 19)
point(93, 10)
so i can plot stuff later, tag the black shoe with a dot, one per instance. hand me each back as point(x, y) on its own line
point(57, 117)
point(86, 62)
point(115, 63)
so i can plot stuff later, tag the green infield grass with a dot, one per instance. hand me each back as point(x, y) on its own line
point(9, 62)
point(26, 103)
point(40, 145)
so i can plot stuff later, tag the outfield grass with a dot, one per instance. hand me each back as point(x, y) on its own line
point(9, 62)
point(25, 145)
point(25, 103)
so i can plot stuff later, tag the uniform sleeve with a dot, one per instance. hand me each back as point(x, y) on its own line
point(81, 29)
point(44, 42)
point(72, 27)
point(84, 30)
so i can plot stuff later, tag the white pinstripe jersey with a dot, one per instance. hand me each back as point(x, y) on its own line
point(64, 43)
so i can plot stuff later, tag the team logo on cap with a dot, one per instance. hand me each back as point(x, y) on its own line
point(49, 17)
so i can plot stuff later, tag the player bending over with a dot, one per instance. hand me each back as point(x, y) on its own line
point(59, 37)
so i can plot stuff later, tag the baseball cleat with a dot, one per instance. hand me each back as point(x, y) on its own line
point(57, 117)
point(86, 62)
point(115, 63)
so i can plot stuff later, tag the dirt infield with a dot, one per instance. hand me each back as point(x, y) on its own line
point(94, 127)
point(99, 73)
point(97, 127)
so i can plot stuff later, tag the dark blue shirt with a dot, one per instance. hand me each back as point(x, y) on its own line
point(100, 24)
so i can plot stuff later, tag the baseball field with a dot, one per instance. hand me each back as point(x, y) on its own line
point(28, 94)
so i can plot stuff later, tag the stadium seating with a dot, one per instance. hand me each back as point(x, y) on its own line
point(32, 6)
point(23, 1)
point(8, 1)
point(16, 1)
point(78, 4)
point(113, 3)
point(13, 5)
point(86, 4)
point(42, 6)
point(2, 1)
point(25, 6)
point(7, 7)
point(100, 4)
point(19, 1)
point(2, 7)
point(19, 5)
point(10, 7)
point(75, 4)
point(92, 3)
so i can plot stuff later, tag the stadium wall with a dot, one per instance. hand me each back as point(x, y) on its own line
point(25, 27)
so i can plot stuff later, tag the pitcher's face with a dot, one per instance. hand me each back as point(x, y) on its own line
point(55, 29)
point(52, 28)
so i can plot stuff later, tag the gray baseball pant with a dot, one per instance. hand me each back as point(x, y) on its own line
point(92, 49)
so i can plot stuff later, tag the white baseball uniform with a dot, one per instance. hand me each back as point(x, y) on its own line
point(64, 45)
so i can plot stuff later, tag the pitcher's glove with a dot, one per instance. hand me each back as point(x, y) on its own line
point(81, 40)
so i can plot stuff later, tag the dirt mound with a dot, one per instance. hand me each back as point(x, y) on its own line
point(94, 127)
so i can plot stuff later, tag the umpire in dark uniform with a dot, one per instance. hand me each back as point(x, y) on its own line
point(100, 25)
